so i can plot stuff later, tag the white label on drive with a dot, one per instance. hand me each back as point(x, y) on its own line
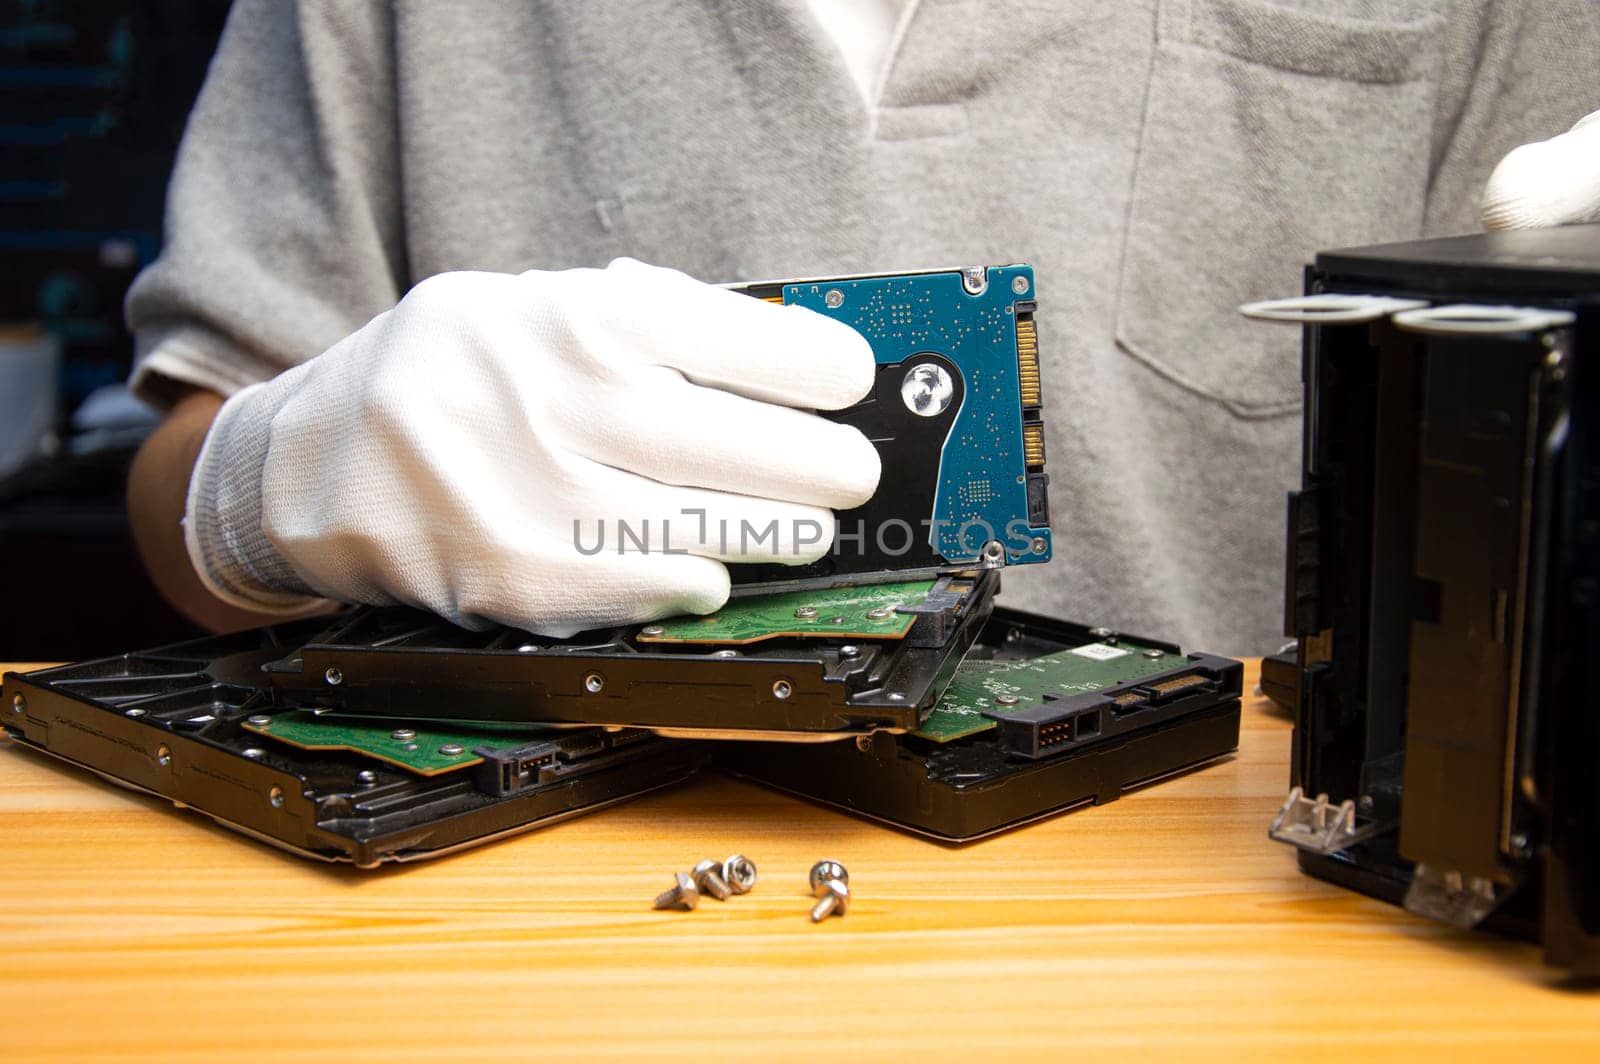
point(1099, 651)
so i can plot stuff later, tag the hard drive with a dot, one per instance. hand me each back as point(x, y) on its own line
point(1043, 716)
point(818, 664)
point(956, 415)
point(198, 724)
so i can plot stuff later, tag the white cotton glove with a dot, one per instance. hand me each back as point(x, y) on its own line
point(1547, 183)
point(457, 451)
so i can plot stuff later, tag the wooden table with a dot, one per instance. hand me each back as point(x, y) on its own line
point(1165, 921)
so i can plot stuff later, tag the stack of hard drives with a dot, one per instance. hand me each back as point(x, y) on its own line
point(883, 679)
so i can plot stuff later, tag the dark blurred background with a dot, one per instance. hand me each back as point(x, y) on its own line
point(93, 97)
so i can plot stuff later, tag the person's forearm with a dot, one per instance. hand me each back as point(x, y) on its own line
point(158, 485)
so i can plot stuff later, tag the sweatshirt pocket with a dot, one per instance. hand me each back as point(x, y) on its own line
point(1270, 132)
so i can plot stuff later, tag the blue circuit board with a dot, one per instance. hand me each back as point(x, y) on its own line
point(991, 484)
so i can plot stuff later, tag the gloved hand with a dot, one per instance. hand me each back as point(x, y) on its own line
point(466, 451)
point(1550, 182)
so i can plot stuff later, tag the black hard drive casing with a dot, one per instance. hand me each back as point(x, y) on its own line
point(169, 722)
point(986, 783)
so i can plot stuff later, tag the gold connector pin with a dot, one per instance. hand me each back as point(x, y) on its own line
point(1028, 362)
point(1033, 444)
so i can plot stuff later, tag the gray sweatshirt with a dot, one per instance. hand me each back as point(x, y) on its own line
point(1159, 161)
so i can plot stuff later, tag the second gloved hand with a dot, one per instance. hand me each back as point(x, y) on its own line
point(550, 450)
point(1547, 183)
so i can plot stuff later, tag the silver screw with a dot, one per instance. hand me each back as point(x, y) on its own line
point(831, 885)
point(1154, 653)
point(878, 613)
point(1101, 633)
point(725, 654)
point(528, 648)
point(366, 777)
point(834, 298)
point(805, 612)
point(452, 749)
point(333, 676)
point(1038, 545)
point(683, 895)
point(826, 869)
point(275, 796)
point(253, 752)
point(739, 872)
point(782, 690)
point(849, 650)
point(134, 712)
point(652, 629)
point(402, 735)
point(259, 720)
point(1019, 285)
point(1005, 700)
point(594, 683)
point(707, 877)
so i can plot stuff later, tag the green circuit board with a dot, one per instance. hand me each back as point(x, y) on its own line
point(865, 612)
point(424, 747)
point(1081, 670)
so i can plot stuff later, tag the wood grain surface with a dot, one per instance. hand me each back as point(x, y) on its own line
point(1163, 924)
